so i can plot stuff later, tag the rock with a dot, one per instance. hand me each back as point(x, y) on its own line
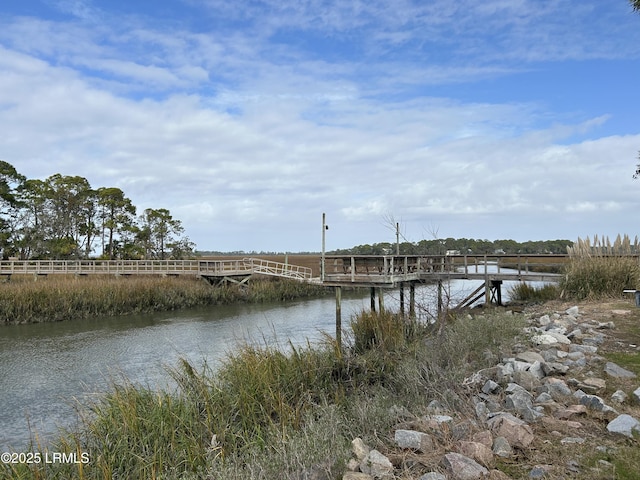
point(530, 357)
point(460, 467)
point(544, 320)
point(520, 401)
point(477, 451)
point(595, 383)
point(490, 387)
point(544, 397)
point(481, 411)
point(573, 311)
point(593, 402)
point(537, 369)
point(359, 449)
point(625, 425)
point(557, 388)
point(502, 447)
point(539, 471)
point(544, 339)
point(414, 440)
point(636, 395)
point(433, 476)
point(619, 396)
point(377, 465)
point(526, 380)
point(583, 349)
point(484, 437)
point(516, 431)
point(560, 338)
point(570, 411)
point(616, 371)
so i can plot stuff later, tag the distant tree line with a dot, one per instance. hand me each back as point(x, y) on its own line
point(63, 217)
point(461, 245)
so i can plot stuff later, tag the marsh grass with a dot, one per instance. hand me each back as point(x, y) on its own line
point(51, 299)
point(525, 292)
point(601, 269)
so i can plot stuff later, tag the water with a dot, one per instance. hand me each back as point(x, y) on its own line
point(46, 368)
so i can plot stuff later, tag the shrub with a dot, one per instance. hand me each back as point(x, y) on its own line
point(525, 292)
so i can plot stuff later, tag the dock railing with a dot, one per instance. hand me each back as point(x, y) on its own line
point(398, 268)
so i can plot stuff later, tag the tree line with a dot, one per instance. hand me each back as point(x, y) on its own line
point(460, 246)
point(63, 217)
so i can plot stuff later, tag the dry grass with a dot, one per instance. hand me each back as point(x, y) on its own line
point(57, 298)
point(601, 269)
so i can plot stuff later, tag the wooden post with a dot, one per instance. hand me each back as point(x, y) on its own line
point(402, 298)
point(440, 303)
point(412, 300)
point(373, 299)
point(380, 300)
point(487, 290)
point(339, 320)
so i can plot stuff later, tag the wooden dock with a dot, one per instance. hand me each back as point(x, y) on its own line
point(391, 270)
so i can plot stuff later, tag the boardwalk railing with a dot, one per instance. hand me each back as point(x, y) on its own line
point(107, 267)
point(204, 268)
point(278, 269)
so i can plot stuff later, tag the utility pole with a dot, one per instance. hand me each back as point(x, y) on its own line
point(324, 228)
point(397, 239)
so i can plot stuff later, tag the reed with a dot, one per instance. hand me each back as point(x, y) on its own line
point(52, 299)
point(601, 268)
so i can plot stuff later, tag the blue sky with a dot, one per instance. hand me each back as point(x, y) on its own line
point(497, 119)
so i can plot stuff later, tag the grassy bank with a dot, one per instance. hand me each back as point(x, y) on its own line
point(52, 299)
point(267, 414)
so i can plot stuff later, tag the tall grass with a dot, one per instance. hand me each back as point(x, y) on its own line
point(601, 268)
point(55, 298)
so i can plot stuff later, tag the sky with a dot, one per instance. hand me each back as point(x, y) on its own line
point(249, 119)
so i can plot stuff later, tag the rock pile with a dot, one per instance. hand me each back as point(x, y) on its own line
point(550, 384)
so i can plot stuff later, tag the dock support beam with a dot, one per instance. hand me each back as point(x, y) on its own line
point(402, 299)
point(496, 292)
point(412, 300)
point(373, 299)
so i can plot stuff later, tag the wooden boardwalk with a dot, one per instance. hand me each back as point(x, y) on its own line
point(391, 270)
point(339, 270)
point(217, 270)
